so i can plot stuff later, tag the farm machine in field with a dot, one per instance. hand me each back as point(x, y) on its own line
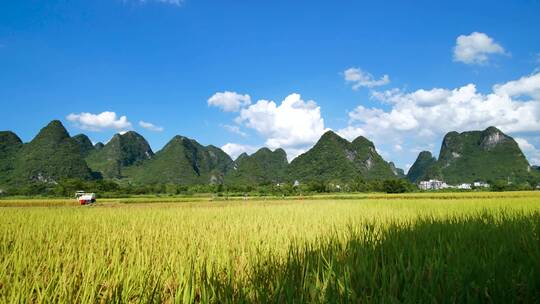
point(85, 198)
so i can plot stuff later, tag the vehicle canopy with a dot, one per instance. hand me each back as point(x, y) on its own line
point(86, 198)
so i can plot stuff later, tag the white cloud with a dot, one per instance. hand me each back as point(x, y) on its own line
point(528, 86)
point(359, 78)
point(405, 123)
point(351, 132)
point(524, 144)
point(532, 153)
point(172, 2)
point(99, 122)
point(422, 97)
point(229, 101)
point(294, 125)
point(462, 108)
point(234, 150)
point(407, 168)
point(150, 126)
point(476, 48)
point(422, 117)
point(235, 130)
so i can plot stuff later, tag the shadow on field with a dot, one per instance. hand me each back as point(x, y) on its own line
point(479, 258)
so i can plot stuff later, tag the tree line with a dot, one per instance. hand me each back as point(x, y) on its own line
point(111, 188)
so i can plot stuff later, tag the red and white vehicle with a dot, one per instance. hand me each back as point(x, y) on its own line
point(85, 198)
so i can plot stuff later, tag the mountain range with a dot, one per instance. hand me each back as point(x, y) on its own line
point(54, 155)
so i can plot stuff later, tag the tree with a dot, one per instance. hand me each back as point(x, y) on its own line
point(396, 186)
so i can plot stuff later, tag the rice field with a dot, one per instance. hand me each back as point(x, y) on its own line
point(449, 247)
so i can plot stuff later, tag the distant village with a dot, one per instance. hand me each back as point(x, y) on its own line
point(434, 184)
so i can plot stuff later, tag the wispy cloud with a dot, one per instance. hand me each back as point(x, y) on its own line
point(529, 149)
point(173, 2)
point(234, 150)
point(150, 126)
point(170, 2)
point(360, 78)
point(235, 130)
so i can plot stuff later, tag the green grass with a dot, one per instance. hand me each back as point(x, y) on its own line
point(470, 247)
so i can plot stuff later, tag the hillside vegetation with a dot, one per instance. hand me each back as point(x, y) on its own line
point(53, 158)
point(263, 167)
point(10, 144)
point(335, 159)
point(122, 151)
point(488, 155)
point(184, 161)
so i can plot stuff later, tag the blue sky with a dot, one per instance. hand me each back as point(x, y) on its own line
point(279, 73)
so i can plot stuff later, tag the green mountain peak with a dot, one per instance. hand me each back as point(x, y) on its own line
point(361, 140)
point(241, 156)
point(491, 137)
point(333, 158)
point(10, 144)
point(122, 151)
point(331, 136)
point(184, 161)
point(280, 151)
point(51, 156)
point(8, 140)
point(54, 132)
point(99, 146)
point(84, 143)
point(397, 171)
point(422, 167)
point(487, 155)
point(263, 167)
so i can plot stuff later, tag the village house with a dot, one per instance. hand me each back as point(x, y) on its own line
point(464, 186)
point(432, 184)
point(481, 185)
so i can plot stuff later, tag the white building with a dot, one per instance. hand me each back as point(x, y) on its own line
point(481, 185)
point(464, 186)
point(432, 184)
